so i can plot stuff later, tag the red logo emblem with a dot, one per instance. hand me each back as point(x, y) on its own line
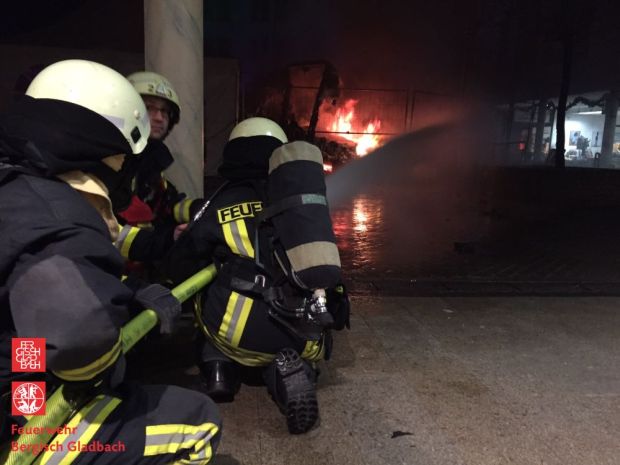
point(28, 398)
point(28, 354)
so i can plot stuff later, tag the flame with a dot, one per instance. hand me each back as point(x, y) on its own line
point(342, 124)
point(369, 140)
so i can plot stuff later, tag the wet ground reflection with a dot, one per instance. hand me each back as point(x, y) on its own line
point(360, 231)
point(386, 233)
point(400, 210)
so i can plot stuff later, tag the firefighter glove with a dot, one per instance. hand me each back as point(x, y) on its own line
point(159, 299)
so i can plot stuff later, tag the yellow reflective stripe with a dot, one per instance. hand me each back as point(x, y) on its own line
point(230, 310)
point(230, 240)
point(126, 246)
point(203, 456)
point(92, 369)
point(242, 319)
point(243, 356)
point(202, 447)
point(179, 428)
point(247, 244)
point(181, 211)
point(251, 357)
point(125, 239)
point(62, 437)
point(85, 423)
point(168, 439)
point(91, 430)
point(192, 461)
point(185, 214)
point(236, 235)
point(313, 351)
point(196, 460)
point(235, 317)
point(169, 447)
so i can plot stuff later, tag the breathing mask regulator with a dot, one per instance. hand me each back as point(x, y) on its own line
point(308, 319)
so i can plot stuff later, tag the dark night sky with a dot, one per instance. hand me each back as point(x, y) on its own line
point(494, 47)
point(87, 24)
point(374, 42)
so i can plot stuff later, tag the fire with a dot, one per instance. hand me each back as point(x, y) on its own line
point(369, 140)
point(366, 139)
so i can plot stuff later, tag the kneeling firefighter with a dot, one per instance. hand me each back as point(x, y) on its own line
point(277, 293)
point(62, 151)
point(157, 211)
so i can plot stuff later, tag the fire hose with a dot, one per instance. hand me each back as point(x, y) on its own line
point(60, 408)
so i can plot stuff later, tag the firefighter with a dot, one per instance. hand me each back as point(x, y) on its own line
point(62, 151)
point(157, 212)
point(242, 329)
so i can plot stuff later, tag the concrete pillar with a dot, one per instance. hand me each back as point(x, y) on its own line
point(609, 128)
point(173, 47)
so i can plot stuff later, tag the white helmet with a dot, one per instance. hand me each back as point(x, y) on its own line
point(100, 89)
point(150, 83)
point(258, 127)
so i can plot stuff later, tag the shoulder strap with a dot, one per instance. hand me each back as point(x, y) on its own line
point(228, 185)
point(205, 205)
point(290, 202)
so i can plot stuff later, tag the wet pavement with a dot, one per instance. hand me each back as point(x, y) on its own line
point(499, 347)
point(578, 254)
point(449, 381)
point(500, 350)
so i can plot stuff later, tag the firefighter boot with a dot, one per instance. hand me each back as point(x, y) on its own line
point(220, 380)
point(291, 381)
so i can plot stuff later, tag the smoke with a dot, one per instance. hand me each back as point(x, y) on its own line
point(406, 204)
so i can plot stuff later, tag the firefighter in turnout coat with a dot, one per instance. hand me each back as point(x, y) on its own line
point(158, 212)
point(253, 317)
point(62, 149)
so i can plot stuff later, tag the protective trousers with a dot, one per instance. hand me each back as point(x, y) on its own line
point(242, 329)
point(142, 425)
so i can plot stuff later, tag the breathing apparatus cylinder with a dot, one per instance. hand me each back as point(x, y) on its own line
point(296, 191)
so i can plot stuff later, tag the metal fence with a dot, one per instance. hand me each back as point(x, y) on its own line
point(398, 110)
